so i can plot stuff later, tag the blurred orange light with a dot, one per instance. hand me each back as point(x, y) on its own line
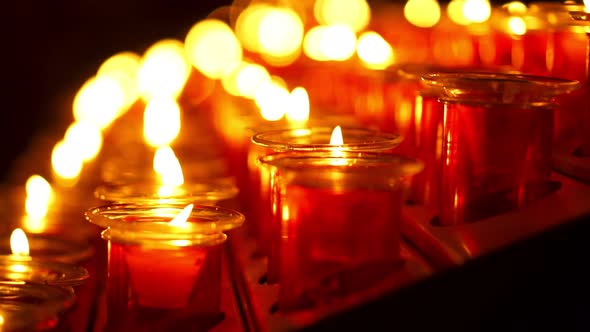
point(99, 101)
point(330, 42)
point(355, 14)
point(213, 48)
point(164, 70)
point(272, 99)
point(248, 25)
point(280, 32)
point(374, 51)
point(297, 109)
point(477, 11)
point(85, 139)
point(123, 67)
point(455, 12)
point(161, 122)
point(66, 162)
point(422, 13)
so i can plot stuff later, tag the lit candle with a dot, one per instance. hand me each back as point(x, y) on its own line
point(339, 214)
point(164, 262)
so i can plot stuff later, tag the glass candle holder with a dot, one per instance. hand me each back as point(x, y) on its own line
point(207, 192)
point(340, 222)
point(52, 248)
point(159, 274)
point(38, 270)
point(33, 307)
point(299, 139)
point(497, 141)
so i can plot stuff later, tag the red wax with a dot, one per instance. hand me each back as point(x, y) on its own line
point(329, 236)
point(495, 49)
point(429, 122)
point(537, 52)
point(491, 158)
point(150, 287)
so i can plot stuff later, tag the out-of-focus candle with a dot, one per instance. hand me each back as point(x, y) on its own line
point(497, 141)
point(164, 263)
point(340, 213)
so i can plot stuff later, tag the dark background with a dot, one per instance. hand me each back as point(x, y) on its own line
point(49, 48)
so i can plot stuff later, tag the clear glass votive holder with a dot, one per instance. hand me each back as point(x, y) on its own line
point(496, 142)
point(16, 268)
point(268, 226)
point(340, 222)
point(33, 307)
point(162, 275)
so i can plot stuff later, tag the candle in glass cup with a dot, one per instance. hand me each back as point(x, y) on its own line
point(301, 139)
point(164, 263)
point(340, 214)
point(497, 141)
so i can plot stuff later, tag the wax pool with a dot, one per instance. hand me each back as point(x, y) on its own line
point(329, 235)
point(156, 285)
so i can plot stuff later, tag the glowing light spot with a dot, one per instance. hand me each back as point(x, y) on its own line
point(85, 139)
point(280, 32)
point(161, 121)
point(374, 51)
point(516, 8)
point(517, 25)
point(422, 13)
point(355, 14)
point(123, 67)
point(37, 186)
point(19, 244)
point(298, 106)
point(167, 166)
point(336, 137)
point(455, 12)
point(213, 48)
point(38, 199)
point(164, 70)
point(334, 42)
point(245, 80)
point(66, 162)
point(271, 99)
point(477, 11)
point(99, 101)
point(248, 25)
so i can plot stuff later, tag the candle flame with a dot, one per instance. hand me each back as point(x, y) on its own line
point(167, 167)
point(39, 196)
point(161, 121)
point(19, 244)
point(182, 217)
point(298, 108)
point(336, 138)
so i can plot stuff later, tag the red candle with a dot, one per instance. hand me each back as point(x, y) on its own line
point(340, 215)
point(497, 141)
point(312, 138)
point(163, 274)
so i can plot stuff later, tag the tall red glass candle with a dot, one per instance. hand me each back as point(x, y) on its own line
point(161, 275)
point(340, 215)
point(497, 140)
point(301, 139)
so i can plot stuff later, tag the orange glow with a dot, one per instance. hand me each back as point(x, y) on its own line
point(298, 106)
point(164, 70)
point(248, 25)
point(355, 14)
point(455, 12)
point(587, 5)
point(161, 122)
point(66, 162)
point(245, 80)
point(280, 32)
point(213, 48)
point(99, 101)
point(167, 166)
point(271, 98)
point(19, 244)
point(123, 67)
point(374, 51)
point(516, 8)
point(422, 13)
point(333, 42)
point(181, 219)
point(336, 137)
point(517, 26)
point(477, 11)
point(37, 201)
point(37, 186)
point(85, 139)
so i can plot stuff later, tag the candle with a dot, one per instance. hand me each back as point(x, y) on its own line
point(497, 145)
point(33, 307)
point(339, 213)
point(164, 263)
point(316, 138)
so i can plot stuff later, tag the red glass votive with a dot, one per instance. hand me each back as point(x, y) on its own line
point(300, 139)
point(160, 275)
point(497, 140)
point(340, 214)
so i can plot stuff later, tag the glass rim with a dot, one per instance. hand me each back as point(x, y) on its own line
point(286, 139)
point(476, 77)
point(415, 71)
point(391, 164)
point(213, 221)
point(39, 270)
point(148, 192)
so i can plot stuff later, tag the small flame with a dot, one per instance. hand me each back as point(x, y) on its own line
point(181, 219)
point(65, 161)
point(19, 244)
point(298, 107)
point(161, 121)
point(167, 166)
point(271, 98)
point(336, 138)
point(39, 197)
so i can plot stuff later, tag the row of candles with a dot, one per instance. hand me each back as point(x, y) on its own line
point(323, 202)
